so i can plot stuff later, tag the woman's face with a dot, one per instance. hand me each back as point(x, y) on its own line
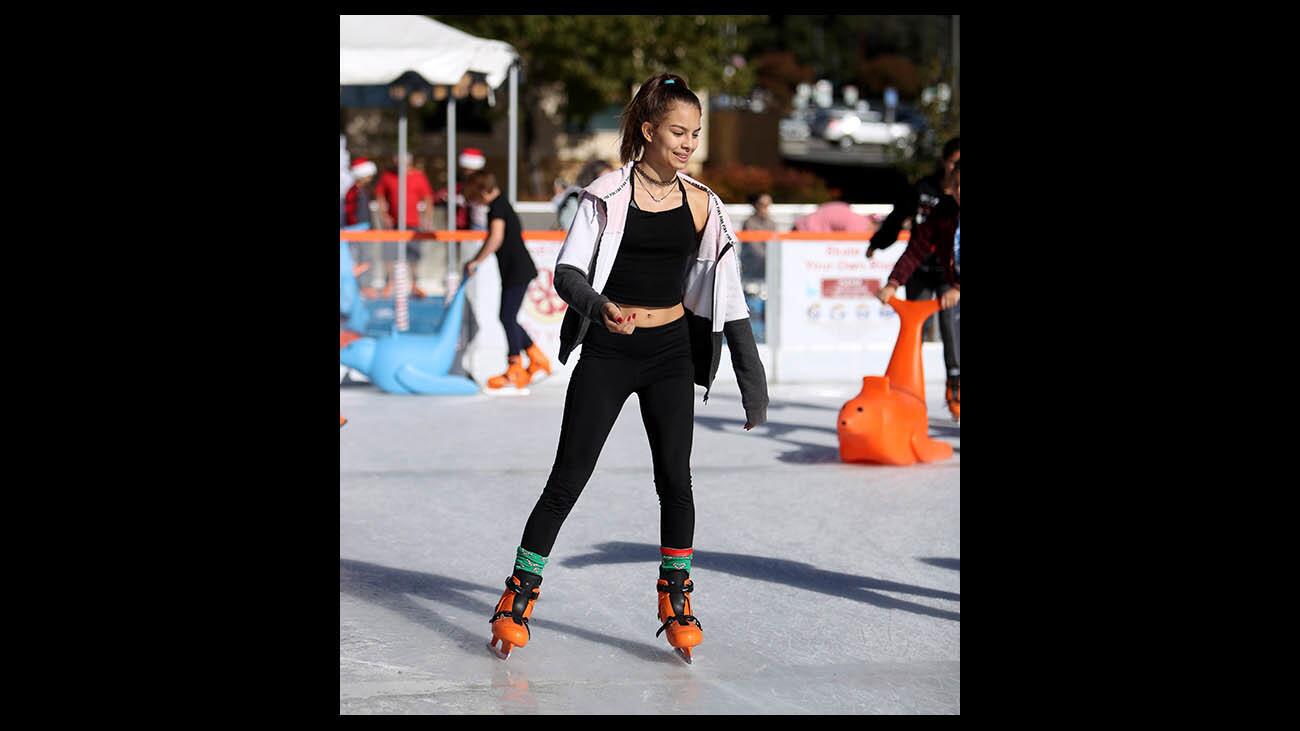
point(675, 139)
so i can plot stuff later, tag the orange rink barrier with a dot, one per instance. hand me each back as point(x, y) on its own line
point(558, 235)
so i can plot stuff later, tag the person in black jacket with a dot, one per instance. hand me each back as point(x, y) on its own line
point(932, 196)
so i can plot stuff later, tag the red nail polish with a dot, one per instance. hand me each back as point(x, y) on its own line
point(620, 319)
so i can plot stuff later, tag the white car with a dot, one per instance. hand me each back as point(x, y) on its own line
point(847, 127)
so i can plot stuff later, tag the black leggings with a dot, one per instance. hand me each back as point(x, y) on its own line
point(517, 340)
point(655, 364)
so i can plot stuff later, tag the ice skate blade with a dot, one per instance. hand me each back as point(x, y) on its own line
point(505, 391)
point(685, 654)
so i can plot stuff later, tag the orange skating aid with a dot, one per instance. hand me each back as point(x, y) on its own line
point(515, 375)
point(346, 337)
point(887, 421)
point(684, 630)
point(510, 622)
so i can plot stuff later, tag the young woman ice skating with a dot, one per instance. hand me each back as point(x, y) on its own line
point(505, 239)
point(652, 278)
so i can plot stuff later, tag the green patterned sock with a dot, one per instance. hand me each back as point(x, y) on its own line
point(529, 561)
point(676, 558)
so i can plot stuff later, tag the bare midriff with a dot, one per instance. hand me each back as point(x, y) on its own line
point(653, 316)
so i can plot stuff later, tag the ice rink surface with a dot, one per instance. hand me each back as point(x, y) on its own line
point(822, 587)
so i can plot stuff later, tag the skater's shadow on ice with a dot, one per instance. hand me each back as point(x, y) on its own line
point(771, 429)
point(781, 571)
point(778, 404)
point(803, 452)
point(393, 588)
point(943, 563)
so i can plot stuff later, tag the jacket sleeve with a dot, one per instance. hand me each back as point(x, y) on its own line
point(918, 247)
point(571, 284)
point(580, 243)
point(749, 370)
point(736, 328)
point(734, 306)
point(575, 258)
point(893, 223)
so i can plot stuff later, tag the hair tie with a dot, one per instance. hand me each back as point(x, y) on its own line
point(670, 81)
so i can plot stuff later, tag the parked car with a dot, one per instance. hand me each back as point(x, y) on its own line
point(847, 127)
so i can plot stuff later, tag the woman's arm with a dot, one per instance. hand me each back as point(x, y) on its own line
point(576, 256)
point(572, 286)
point(918, 247)
point(495, 237)
point(749, 370)
point(736, 328)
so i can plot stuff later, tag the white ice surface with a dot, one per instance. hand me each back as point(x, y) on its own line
point(822, 587)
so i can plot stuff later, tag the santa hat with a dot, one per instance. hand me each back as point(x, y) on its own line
point(472, 159)
point(362, 167)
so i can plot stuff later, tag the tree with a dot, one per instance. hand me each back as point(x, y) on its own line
point(943, 122)
point(589, 62)
point(599, 57)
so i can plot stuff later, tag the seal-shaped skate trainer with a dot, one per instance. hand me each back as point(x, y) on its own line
point(887, 421)
point(510, 623)
point(684, 630)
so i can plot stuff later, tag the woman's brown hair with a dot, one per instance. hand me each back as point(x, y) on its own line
point(652, 101)
point(478, 183)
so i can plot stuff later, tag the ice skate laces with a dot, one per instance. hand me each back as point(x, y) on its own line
point(518, 590)
point(684, 620)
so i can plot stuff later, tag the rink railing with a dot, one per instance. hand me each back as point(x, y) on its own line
point(813, 308)
point(756, 237)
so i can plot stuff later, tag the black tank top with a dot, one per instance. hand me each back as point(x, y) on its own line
point(657, 246)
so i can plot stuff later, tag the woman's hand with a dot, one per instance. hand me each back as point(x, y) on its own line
point(950, 299)
point(615, 322)
point(886, 293)
point(470, 266)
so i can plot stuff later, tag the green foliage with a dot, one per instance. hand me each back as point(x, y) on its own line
point(944, 120)
point(599, 58)
point(842, 48)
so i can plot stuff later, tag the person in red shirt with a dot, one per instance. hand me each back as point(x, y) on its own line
point(356, 204)
point(418, 191)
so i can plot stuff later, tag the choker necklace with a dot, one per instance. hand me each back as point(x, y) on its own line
point(649, 179)
point(661, 198)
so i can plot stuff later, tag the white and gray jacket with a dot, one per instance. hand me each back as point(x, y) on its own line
point(714, 301)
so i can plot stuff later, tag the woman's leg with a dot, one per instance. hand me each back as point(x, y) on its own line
point(597, 390)
point(512, 298)
point(950, 327)
point(668, 412)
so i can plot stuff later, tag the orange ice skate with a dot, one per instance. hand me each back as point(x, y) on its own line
point(510, 623)
point(684, 630)
point(515, 375)
point(537, 362)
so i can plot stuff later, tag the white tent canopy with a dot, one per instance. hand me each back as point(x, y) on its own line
point(376, 49)
point(380, 49)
